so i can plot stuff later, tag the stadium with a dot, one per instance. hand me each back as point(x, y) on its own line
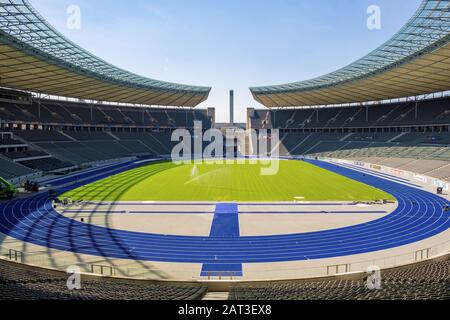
point(115, 186)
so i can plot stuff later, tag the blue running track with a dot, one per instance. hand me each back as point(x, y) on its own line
point(419, 216)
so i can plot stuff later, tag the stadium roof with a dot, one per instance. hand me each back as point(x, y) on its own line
point(35, 57)
point(415, 61)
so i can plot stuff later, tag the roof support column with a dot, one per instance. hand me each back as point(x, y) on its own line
point(417, 111)
point(367, 114)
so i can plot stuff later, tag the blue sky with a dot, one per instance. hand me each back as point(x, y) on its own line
point(228, 44)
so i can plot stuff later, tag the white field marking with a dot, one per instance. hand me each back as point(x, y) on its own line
point(299, 198)
point(363, 205)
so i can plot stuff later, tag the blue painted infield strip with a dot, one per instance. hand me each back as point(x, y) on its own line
point(226, 221)
point(225, 225)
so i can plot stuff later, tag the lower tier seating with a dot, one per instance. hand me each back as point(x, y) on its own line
point(429, 281)
point(408, 152)
point(47, 164)
point(10, 170)
point(18, 282)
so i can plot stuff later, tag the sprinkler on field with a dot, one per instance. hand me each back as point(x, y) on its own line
point(194, 172)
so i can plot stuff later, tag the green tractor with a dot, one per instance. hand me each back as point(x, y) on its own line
point(7, 190)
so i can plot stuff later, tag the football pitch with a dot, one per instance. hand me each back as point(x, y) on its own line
point(208, 181)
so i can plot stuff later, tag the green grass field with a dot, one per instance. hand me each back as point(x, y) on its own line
point(227, 182)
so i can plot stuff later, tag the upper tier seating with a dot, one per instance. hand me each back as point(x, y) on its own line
point(373, 137)
point(90, 136)
point(40, 135)
point(435, 111)
point(65, 113)
point(25, 154)
point(9, 142)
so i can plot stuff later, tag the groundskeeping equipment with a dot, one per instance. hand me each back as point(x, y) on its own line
point(7, 190)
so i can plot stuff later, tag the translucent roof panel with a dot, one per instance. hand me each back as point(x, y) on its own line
point(426, 31)
point(26, 30)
